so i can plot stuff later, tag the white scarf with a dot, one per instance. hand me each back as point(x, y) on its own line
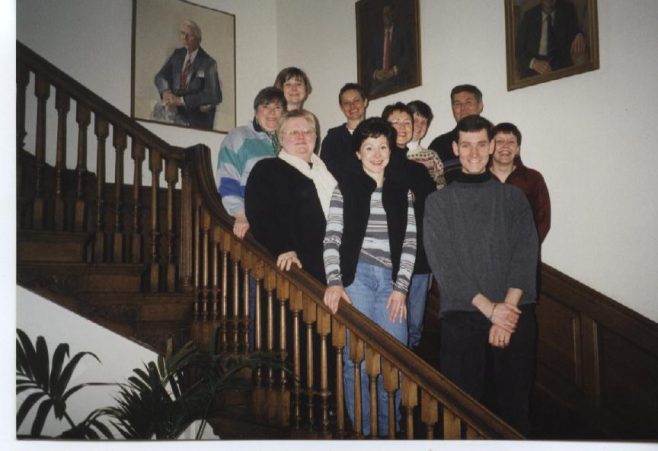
point(322, 179)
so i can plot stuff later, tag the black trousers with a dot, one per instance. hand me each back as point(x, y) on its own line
point(465, 353)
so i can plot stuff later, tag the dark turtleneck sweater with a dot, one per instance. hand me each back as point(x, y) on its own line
point(480, 237)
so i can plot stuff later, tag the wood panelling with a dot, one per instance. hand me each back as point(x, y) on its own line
point(597, 360)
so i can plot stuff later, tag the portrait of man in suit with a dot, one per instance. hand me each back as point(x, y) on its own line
point(188, 83)
point(388, 49)
point(549, 38)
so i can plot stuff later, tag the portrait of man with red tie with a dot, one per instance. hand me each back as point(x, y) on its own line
point(188, 83)
point(389, 32)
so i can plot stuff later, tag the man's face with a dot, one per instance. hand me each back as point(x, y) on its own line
point(387, 15)
point(464, 104)
point(353, 105)
point(188, 38)
point(403, 125)
point(268, 115)
point(420, 127)
point(473, 150)
point(548, 6)
point(506, 148)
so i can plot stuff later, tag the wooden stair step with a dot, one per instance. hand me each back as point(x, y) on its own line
point(80, 277)
point(141, 306)
point(49, 246)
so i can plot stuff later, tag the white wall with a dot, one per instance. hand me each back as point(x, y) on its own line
point(593, 136)
point(577, 131)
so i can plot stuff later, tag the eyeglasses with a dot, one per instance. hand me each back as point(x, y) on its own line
point(297, 133)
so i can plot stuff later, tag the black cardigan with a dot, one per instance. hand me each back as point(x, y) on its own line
point(356, 193)
point(285, 214)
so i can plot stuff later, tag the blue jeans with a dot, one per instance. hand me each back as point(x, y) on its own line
point(420, 286)
point(369, 293)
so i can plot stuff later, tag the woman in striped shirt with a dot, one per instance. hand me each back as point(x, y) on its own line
point(369, 253)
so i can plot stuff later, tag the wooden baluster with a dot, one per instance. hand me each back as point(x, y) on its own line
point(22, 80)
point(196, 244)
point(171, 177)
point(338, 341)
point(391, 384)
point(283, 294)
point(373, 369)
point(205, 264)
point(246, 292)
point(472, 434)
point(42, 92)
point(119, 142)
point(259, 274)
point(429, 412)
point(216, 238)
point(62, 104)
point(102, 131)
point(296, 305)
point(226, 246)
point(452, 429)
point(83, 117)
point(324, 328)
point(138, 154)
point(155, 166)
point(309, 317)
point(356, 356)
point(409, 401)
point(185, 255)
point(236, 255)
point(270, 284)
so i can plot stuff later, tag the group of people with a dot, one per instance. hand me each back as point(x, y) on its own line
point(374, 215)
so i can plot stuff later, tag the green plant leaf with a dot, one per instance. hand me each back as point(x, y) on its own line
point(63, 381)
point(60, 353)
point(40, 419)
point(42, 363)
point(25, 353)
point(25, 407)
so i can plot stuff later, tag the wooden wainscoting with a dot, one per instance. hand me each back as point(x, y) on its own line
point(597, 361)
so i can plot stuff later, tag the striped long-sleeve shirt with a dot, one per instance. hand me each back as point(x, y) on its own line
point(376, 245)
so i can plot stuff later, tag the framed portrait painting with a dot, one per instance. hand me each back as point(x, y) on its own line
point(387, 46)
point(549, 39)
point(183, 65)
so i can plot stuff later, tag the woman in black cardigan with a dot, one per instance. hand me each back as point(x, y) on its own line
point(287, 198)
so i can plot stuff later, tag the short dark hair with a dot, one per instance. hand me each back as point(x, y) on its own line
point(420, 107)
point(466, 88)
point(352, 87)
point(268, 95)
point(397, 106)
point(508, 127)
point(292, 72)
point(475, 123)
point(372, 128)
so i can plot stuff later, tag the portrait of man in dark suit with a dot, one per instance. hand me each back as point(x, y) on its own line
point(388, 46)
point(188, 83)
point(549, 38)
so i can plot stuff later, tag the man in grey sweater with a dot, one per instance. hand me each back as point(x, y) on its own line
point(482, 247)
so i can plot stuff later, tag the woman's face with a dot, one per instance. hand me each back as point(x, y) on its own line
point(374, 154)
point(403, 125)
point(294, 90)
point(268, 115)
point(298, 138)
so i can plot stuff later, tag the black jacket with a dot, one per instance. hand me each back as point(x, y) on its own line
point(285, 214)
point(356, 193)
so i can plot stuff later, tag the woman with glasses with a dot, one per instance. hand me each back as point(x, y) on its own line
point(287, 198)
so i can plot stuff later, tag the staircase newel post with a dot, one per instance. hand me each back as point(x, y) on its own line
point(155, 166)
point(101, 130)
point(62, 104)
point(42, 92)
point(171, 177)
point(119, 142)
point(83, 117)
point(138, 154)
point(22, 80)
point(185, 253)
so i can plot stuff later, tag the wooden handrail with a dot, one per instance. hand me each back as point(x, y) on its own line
point(191, 243)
